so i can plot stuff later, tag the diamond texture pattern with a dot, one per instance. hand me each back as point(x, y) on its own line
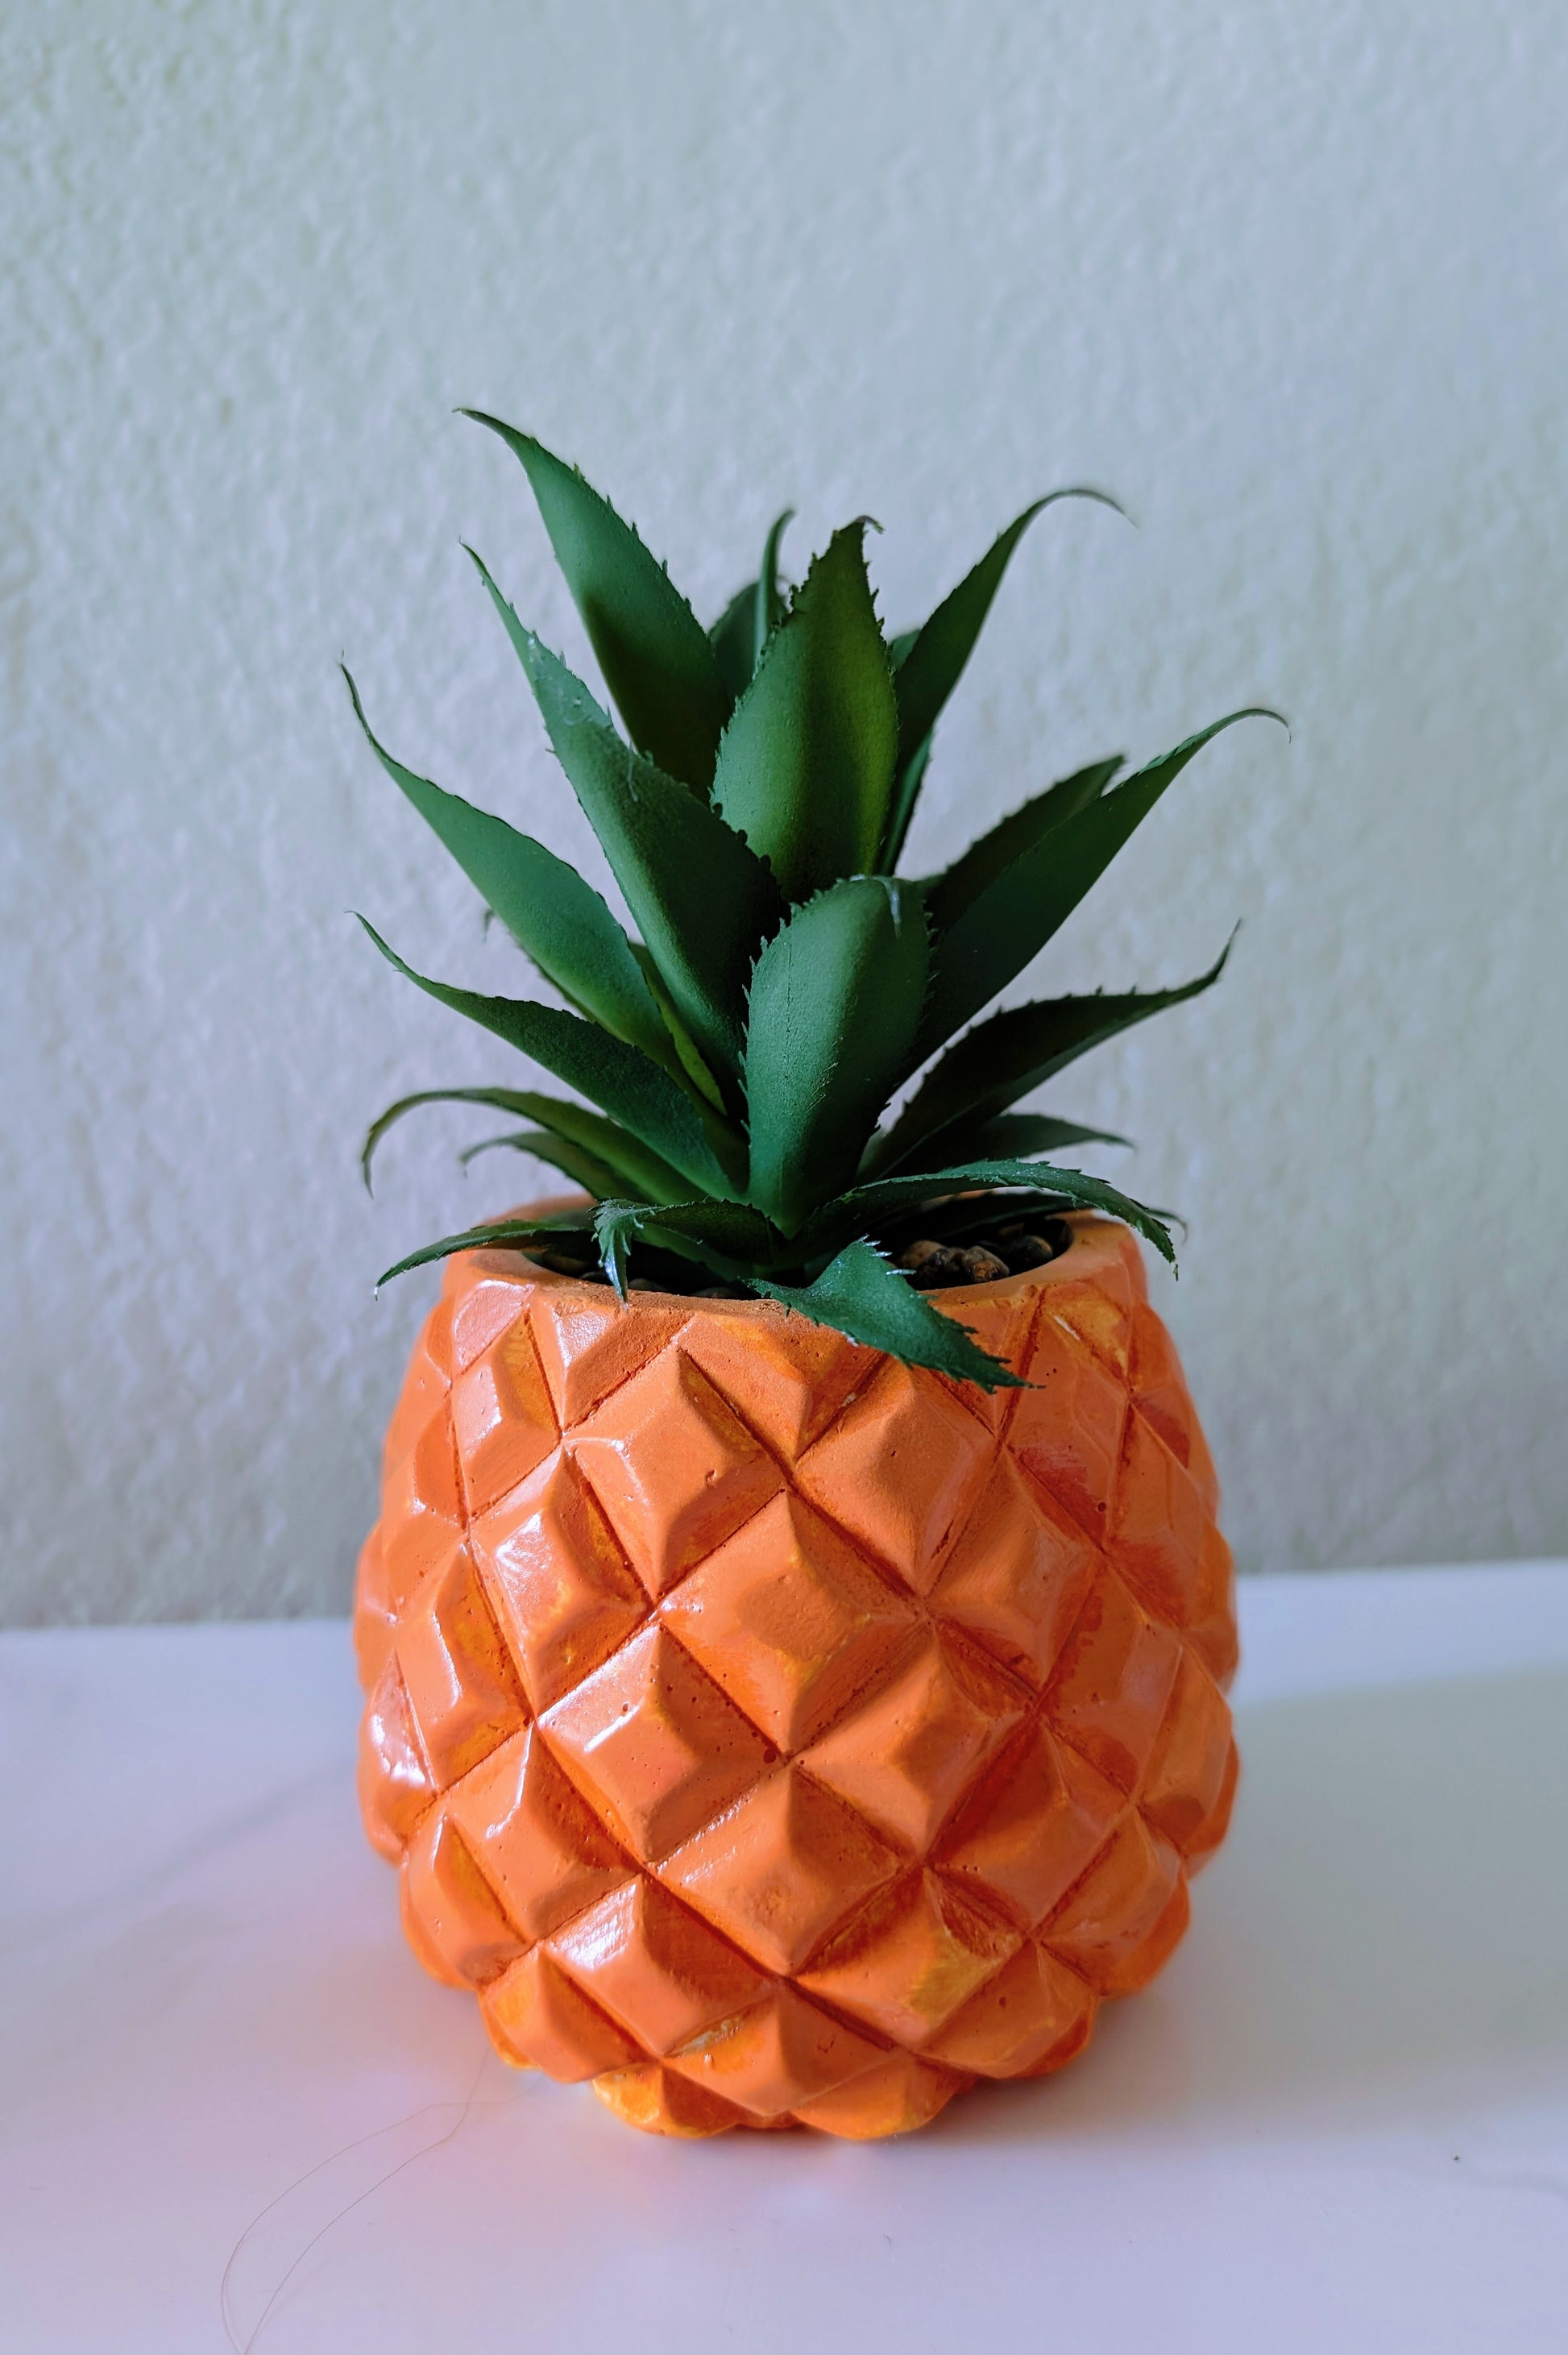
point(561, 1588)
point(780, 1871)
point(789, 1620)
point(907, 1755)
point(676, 1469)
point(776, 1735)
point(654, 1744)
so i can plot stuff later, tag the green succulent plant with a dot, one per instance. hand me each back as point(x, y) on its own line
point(740, 1056)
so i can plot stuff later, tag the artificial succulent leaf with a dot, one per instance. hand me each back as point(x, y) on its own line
point(864, 1206)
point(702, 900)
point(1019, 1048)
point(1013, 915)
point(619, 1079)
point(835, 1003)
point(935, 663)
point(948, 895)
point(753, 614)
point(806, 766)
point(637, 1169)
point(615, 1226)
point(1012, 1135)
point(743, 1236)
point(498, 1234)
point(595, 1178)
point(495, 1099)
point(901, 808)
point(1008, 1136)
point(970, 1217)
point(860, 1293)
point(633, 1165)
point(555, 917)
point(655, 655)
point(726, 1238)
point(768, 606)
point(733, 638)
point(685, 1046)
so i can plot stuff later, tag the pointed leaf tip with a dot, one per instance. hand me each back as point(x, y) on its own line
point(1024, 898)
point(1018, 1049)
point(767, 611)
point(807, 761)
point(702, 902)
point(555, 917)
point(934, 659)
point(654, 653)
point(496, 1234)
point(636, 1092)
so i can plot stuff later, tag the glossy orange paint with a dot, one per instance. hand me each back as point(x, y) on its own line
point(776, 1735)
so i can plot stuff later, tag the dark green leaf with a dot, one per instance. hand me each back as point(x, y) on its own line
point(702, 900)
point(928, 663)
point(901, 809)
point(948, 895)
point(835, 1001)
point(769, 608)
point(734, 640)
point(724, 1237)
point(498, 1235)
point(1012, 916)
point(750, 618)
point(552, 915)
point(1006, 1137)
point(615, 1226)
point(741, 1235)
point(1000, 1060)
point(862, 1296)
point(865, 1205)
point(595, 1177)
point(958, 1219)
point(654, 651)
point(619, 1078)
point(637, 1169)
point(935, 663)
point(1012, 1135)
point(806, 765)
point(685, 1046)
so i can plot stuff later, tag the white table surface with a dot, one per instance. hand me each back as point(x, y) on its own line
point(1338, 2123)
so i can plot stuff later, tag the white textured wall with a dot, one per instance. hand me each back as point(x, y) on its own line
point(1289, 280)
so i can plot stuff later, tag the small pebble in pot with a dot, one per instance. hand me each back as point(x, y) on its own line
point(932, 1264)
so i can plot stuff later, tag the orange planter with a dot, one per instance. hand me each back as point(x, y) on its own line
point(776, 1735)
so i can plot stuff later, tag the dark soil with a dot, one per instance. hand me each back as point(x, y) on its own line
point(964, 1240)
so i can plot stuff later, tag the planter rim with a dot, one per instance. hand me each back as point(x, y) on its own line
point(1092, 1234)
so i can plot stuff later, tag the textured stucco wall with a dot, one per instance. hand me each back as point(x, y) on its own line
point(1290, 280)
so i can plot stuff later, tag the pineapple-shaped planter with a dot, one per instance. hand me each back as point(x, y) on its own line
point(797, 1627)
point(778, 1734)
